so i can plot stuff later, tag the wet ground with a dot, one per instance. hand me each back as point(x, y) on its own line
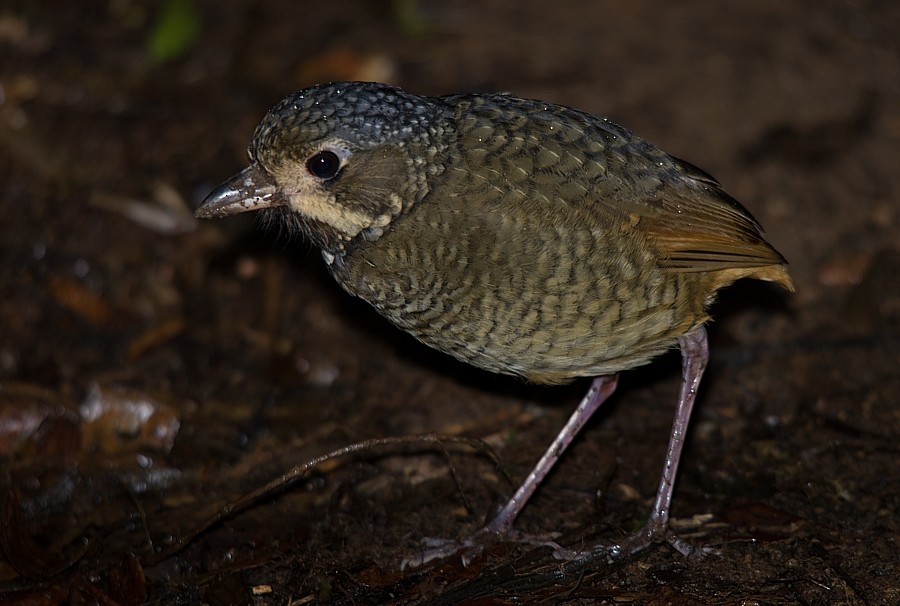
point(154, 369)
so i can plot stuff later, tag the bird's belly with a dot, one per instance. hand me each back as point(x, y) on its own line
point(551, 319)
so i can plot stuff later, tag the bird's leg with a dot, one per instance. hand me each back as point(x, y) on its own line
point(501, 524)
point(694, 356)
point(600, 390)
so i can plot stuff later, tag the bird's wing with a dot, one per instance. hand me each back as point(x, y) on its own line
point(563, 165)
point(699, 227)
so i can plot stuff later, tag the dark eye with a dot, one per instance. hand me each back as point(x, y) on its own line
point(323, 164)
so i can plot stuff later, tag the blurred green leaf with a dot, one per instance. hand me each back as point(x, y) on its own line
point(410, 18)
point(175, 31)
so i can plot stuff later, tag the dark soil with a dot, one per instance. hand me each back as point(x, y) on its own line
point(154, 369)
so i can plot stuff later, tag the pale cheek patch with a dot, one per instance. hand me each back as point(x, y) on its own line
point(306, 197)
point(322, 207)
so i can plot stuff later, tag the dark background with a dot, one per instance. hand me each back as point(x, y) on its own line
point(154, 369)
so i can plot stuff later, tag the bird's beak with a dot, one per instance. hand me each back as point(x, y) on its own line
point(251, 189)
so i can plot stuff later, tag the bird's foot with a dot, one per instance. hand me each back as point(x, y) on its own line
point(471, 547)
point(438, 549)
point(639, 541)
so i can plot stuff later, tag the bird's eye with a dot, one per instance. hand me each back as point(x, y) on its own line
point(323, 165)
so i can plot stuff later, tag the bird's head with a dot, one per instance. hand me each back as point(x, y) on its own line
point(336, 162)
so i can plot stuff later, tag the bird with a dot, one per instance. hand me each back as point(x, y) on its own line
point(520, 236)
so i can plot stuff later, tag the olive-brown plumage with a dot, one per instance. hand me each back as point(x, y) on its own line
point(519, 236)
